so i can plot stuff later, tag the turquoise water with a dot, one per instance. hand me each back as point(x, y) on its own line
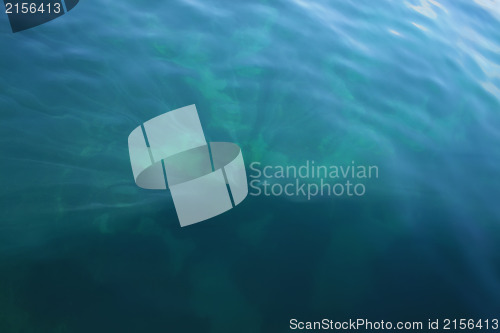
point(410, 86)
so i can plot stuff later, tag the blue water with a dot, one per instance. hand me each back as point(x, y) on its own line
point(410, 86)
